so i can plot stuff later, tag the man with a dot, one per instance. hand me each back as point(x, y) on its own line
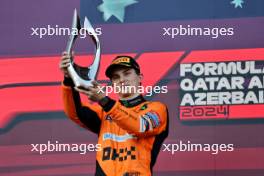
point(130, 131)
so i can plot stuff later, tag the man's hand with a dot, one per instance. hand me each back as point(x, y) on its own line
point(65, 63)
point(92, 92)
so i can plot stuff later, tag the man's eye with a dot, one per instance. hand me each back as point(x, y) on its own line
point(127, 73)
point(114, 77)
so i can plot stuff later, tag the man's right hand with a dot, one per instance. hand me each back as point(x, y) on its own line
point(65, 63)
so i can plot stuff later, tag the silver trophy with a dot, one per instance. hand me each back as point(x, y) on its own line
point(83, 76)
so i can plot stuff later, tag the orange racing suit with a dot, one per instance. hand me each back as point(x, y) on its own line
point(130, 132)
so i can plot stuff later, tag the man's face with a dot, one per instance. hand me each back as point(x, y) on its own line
point(122, 77)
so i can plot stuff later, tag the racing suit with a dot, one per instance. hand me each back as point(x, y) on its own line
point(130, 132)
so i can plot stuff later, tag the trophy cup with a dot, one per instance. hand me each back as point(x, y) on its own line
point(83, 76)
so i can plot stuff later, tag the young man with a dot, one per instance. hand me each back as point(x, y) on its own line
point(130, 131)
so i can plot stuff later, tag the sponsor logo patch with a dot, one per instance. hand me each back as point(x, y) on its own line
point(121, 154)
point(117, 138)
point(108, 117)
point(149, 121)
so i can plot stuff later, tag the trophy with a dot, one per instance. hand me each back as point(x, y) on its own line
point(83, 76)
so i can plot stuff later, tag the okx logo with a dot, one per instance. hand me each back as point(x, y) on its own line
point(120, 154)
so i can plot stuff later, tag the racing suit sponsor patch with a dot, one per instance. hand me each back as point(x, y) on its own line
point(121, 154)
point(131, 174)
point(117, 138)
point(149, 121)
point(108, 117)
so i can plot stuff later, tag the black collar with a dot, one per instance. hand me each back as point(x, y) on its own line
point(133, 102)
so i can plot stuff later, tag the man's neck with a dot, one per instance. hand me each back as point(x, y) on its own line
point(132, 100)
point(129, 97)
